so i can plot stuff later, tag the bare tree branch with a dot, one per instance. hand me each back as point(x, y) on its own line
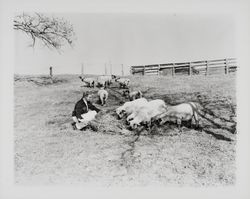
point(51, 31)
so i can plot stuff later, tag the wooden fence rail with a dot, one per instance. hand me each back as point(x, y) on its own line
point(207, 67)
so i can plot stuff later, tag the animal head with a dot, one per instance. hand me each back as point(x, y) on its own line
point(134, 124)
point(113, 76)
point(81, 78)
point(120, 112)
point(159, 121)
point(134, 95)
point(126, 92)
point(129, 118)
point(139, 94)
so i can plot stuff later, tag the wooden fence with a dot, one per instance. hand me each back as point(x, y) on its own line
point(208, 67)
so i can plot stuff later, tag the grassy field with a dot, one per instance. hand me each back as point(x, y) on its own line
point(49, 151)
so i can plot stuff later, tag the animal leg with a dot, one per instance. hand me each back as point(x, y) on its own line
point(190, 123)
point(160, 121)
point(197, 121)
point(105, 99)
point(149, 124)
point(179, 124)
point(101, 101)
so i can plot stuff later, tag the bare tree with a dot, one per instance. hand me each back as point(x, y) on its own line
point(53, 32)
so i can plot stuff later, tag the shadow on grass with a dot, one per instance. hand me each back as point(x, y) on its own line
point(217, 136)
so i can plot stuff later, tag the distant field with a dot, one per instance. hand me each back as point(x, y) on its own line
point(48, 150)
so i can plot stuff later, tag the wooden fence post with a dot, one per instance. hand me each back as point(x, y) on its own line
point(110, 68)
point(82, 69)
point(158, 69)
point(206, 68)
point(190, 68)
point(51, 74)
point(226, 66)
point(105, 69)
point(50, 71)
point(122, 70)
point(144, 70)
point(173, 70)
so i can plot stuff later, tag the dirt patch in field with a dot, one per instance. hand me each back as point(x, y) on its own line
point(38, 80)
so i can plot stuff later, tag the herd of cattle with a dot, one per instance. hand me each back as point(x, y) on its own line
point(141, 112)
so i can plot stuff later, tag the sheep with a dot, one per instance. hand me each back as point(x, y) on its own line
point(103, 96)
point(128, 107)
point(132, 95)
point(101, 83)
point(141, 116)
point(154, 106)
point(123, 82)
point(146, 113)
point(89, 81)
point(113, 77)
point(86, 117)
point(105, 79)
point(108, 79)
point(179, 113)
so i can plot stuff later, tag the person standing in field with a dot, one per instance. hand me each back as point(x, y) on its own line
point(84, 112)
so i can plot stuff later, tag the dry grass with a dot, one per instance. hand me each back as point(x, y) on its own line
point(48, 150)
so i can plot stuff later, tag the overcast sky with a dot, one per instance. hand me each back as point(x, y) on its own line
point(130, 39)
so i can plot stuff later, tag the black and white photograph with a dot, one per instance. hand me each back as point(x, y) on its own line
point(126, 99)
